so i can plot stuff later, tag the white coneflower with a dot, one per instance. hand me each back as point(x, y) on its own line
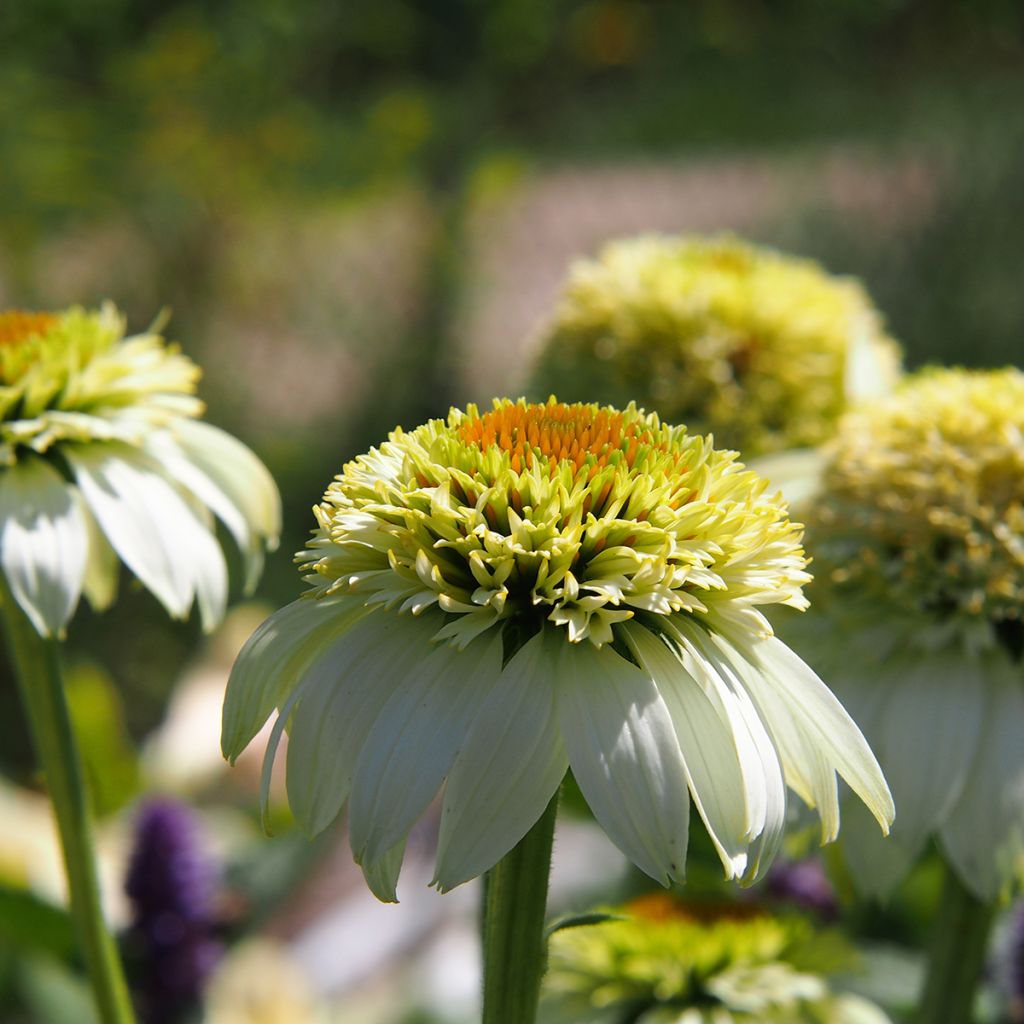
point(763, 349)
point(501, 596)
point(103, 457)
point(917, 618)
point(919, 622)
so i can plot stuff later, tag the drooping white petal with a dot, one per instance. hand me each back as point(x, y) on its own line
point(102, 568)
point(764, 769)
point(350, 680)
point(984, 834)
point(382, 874)
point(823, 720)
point(929, 734)
point(709, 745)
point(44, 543)
point(241, 477)
point(151, 525)
point(181, 468)
point(274, 659)
point(624, 753)
point(506, 773)
point(414, 740)
point(808, 772)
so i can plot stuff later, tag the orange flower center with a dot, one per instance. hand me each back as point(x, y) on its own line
point(558, 432)
point(17, 325)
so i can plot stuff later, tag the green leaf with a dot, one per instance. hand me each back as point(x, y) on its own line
point(28, 923)
point(582, 920)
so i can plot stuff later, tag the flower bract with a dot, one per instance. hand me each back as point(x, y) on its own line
point(657, 961)
point(919, 617)
point(103, 457)
point(762, 349)
point(502, 595)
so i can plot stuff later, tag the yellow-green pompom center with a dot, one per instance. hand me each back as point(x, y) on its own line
point(578, 514)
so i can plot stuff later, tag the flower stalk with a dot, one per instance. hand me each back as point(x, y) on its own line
point(514, 940)
point(957, 954)
point(37, 670)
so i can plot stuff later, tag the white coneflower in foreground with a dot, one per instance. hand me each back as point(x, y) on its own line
point(502, 596)
point(918, 618)
point(103, 457)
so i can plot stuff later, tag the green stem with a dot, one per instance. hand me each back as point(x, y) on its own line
point(515, 947)
point(957, 954)
point(37, 669)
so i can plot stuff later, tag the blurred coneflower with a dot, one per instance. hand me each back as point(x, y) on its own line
point(762, 349)
point(918, 620)
point(658, 961)
point(103, 456)
point(103, 459)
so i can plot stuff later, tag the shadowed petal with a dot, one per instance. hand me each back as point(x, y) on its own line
point(273, 660)
point(984, 835)
point(624, 754)
point(414, 740)
point(351, 680)
point(509, 767)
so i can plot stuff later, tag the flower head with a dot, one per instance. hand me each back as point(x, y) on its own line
point(665, 961)
point(763, 349)
point(103, 456)
point(919, 541)
point(501, 595)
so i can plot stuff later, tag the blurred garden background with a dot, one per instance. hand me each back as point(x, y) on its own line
point(358, 214)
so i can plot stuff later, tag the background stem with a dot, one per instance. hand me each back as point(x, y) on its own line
point(515, 947)
point(956, 956)
point(37, 669)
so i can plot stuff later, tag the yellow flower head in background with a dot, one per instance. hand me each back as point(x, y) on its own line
point(918, 616)
point(103, 456)
point(498, 596)
point(764, 350)
point(661, 961)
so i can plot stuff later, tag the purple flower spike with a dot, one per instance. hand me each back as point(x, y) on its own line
point(804, 884)
point(171, 885)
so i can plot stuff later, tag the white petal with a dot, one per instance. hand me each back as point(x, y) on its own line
point(506, 773)
point(928, 737)
point(414, 740)
point(43, 543)
point(182, 469)
point(350, 681)
point(765, 767)
point(824, 721)
point(102, 568)
point(984, 835)
point(154, 529)
point(382, 874)
point(273, 660)
point(242, 478)
point(808, 771)
point(708, 743)
point(624, 753)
